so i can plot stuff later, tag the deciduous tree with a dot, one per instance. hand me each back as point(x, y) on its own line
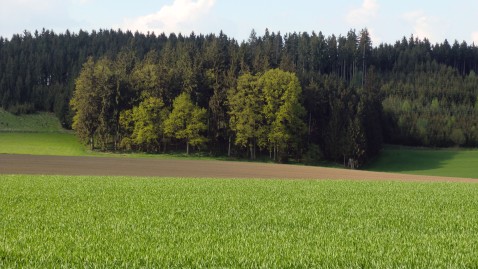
point(186, 121)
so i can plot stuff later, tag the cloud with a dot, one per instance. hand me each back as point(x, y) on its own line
point(363, 14)
point(474, 37)
point(376, 39)
point(423, 26)
point(180, 16)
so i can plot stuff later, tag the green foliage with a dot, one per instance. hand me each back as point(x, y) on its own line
point(146, 76)
point(283, 112)
point(458, 137)
point(186, 121)
point(265, 110)
point(437, 107)
point(348, 121)
point(62, 221)
point(313, 155)
point(246, 118)
point(144, 125)
point(106, 90)
point(86, 103)
point(96, 103)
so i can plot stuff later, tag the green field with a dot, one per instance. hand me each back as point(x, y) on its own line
point(64, 144)
point(38, 134)
point(78, 222)
point(435, 162)
point(39, 122)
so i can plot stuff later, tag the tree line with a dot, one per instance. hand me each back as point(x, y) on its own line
point(295, 95)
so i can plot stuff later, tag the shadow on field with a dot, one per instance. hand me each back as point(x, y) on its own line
point(403, 160)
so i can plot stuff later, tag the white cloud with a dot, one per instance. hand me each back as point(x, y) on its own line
point(363, 14)
point(376, 39)
point(474, 37)
point(180, 16)
point(423, 26)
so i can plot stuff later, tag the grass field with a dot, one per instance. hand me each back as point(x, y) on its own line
point(71, 222)
point(38, 134)
point(435, 162)
point(41, 144)
point(39, 122)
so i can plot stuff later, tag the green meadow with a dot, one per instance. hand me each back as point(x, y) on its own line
point(38, 122)
point(38, 134)
point(420, 161)
point(63, 144)
point(111, 222)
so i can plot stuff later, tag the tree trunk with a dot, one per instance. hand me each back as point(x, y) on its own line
point(229, 148)
point(310, 127)
point(187, 147)
point(275, 152)
point(363, 66)
point(254, 146)
point(92, 143)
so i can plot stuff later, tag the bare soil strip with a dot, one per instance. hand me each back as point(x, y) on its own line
point(101, 166)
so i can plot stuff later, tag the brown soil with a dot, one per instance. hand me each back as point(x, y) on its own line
point(60, 165)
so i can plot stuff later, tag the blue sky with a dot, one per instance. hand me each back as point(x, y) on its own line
point(387, 20)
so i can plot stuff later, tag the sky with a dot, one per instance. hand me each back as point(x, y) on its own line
point(386, 20)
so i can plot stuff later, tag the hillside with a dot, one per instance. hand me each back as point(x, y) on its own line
point(38, 122)
point(451, 162)
point(349, 95)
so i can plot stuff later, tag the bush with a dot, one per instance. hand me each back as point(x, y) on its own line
point(313, 155)
point(20, 109)
point(458, 137)
point(125, 144)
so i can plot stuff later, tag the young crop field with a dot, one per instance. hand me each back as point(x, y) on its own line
point(435, 162)
point(54, 222)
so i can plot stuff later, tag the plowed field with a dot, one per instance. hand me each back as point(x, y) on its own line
point(103, 166)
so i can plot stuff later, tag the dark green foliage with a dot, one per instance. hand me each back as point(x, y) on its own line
point(355, 95)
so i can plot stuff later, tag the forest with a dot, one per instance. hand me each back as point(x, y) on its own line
point(301, 96)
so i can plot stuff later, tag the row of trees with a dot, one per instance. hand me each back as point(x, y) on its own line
point(418, 93)
point(120, 105)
